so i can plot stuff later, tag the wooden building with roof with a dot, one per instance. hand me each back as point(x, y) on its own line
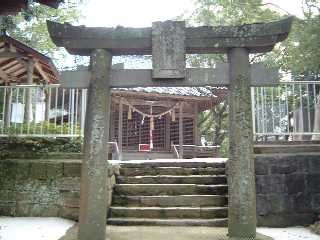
point(166, 118)
point(21, 64)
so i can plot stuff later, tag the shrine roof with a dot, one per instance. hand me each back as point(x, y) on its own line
point(13, 58)
point(211, 92)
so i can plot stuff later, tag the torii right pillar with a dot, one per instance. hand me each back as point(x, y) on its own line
point(241, 172)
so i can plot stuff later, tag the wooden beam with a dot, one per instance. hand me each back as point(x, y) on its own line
point(167, 132)
point(195, 77)
point(258, 37)
point(195, 124)
point(28, 100)
point(4, 76)
point(181, 131)
point(139, 102)
point(42, 73)
point(120, 129)
point(8, 54)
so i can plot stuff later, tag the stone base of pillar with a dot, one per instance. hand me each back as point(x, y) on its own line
point(258, 237)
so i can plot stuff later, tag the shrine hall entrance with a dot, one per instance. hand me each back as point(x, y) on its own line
point(152, 117)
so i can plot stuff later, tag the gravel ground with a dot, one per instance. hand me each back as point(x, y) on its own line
point(55, 228)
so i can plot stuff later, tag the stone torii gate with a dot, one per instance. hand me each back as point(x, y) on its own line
point(168, 42)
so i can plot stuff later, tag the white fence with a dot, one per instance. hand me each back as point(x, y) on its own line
point(290, 111)
point(51, 111)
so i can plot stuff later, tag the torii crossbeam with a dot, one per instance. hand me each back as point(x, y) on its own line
point(168, 43)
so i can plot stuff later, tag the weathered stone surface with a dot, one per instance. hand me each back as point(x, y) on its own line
point(301, 203)
point(280, 203)
point(54, 170)
point(22, 171)
point(285, 220)
point(259, 37)
point(314, 165)
point(69, 184)
point(295, 183)
point(261, 166)
point(316, 203)
point(271, 184)
point(263, 205)
point(288, 166)
point(168, 49)
point(23, 194)
point(38, 171)
point(171, 212)
point(70, 199)
point(241, 170)
point(93, 194)
point(7, 208)
point(289, 190)
point(69, 213)
point(71, 169)
point(313, 181)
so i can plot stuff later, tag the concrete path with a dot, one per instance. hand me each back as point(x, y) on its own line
point(53, 228)
point(195, 233)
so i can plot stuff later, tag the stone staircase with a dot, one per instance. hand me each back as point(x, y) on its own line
point(169, 192)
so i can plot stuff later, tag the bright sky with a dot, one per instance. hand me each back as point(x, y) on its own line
point(141, 13)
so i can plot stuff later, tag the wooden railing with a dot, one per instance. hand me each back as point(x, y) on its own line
point(116, 148)
point(194, 151)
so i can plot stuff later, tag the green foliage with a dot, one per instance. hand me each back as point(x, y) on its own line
point(236, 12)
point(16, 147)
point(40, 128)
point(224, 148)
point(34, 33)
point(226, 12)
point(299, 54)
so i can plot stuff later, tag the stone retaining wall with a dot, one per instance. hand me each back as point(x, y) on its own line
point(42, 188)
point(288, 189)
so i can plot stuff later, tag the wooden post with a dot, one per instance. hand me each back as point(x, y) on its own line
point(241, 175)
point(195, 124)
point(28, 103)
point(120, 129)
point(48, 103)
point(167, 135)
point(8, 107)
point(181, 130)
point(93, 197)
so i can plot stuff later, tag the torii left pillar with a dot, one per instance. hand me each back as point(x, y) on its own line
point(93, 192)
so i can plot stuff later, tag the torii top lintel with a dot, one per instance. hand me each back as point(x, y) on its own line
point(257, 38)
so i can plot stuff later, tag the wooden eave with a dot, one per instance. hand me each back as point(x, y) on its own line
point(257, 37)
point(204, 102)
point(13, 60)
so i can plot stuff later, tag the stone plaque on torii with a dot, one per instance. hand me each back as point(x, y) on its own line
point(168, 43)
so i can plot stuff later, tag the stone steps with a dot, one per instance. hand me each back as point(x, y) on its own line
point(221, 222)
point(170, 192)
point(170, 201)
point(169, 212)
point(171, 171)
point(173, 179)
point(171, 163)
point(169, 189)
